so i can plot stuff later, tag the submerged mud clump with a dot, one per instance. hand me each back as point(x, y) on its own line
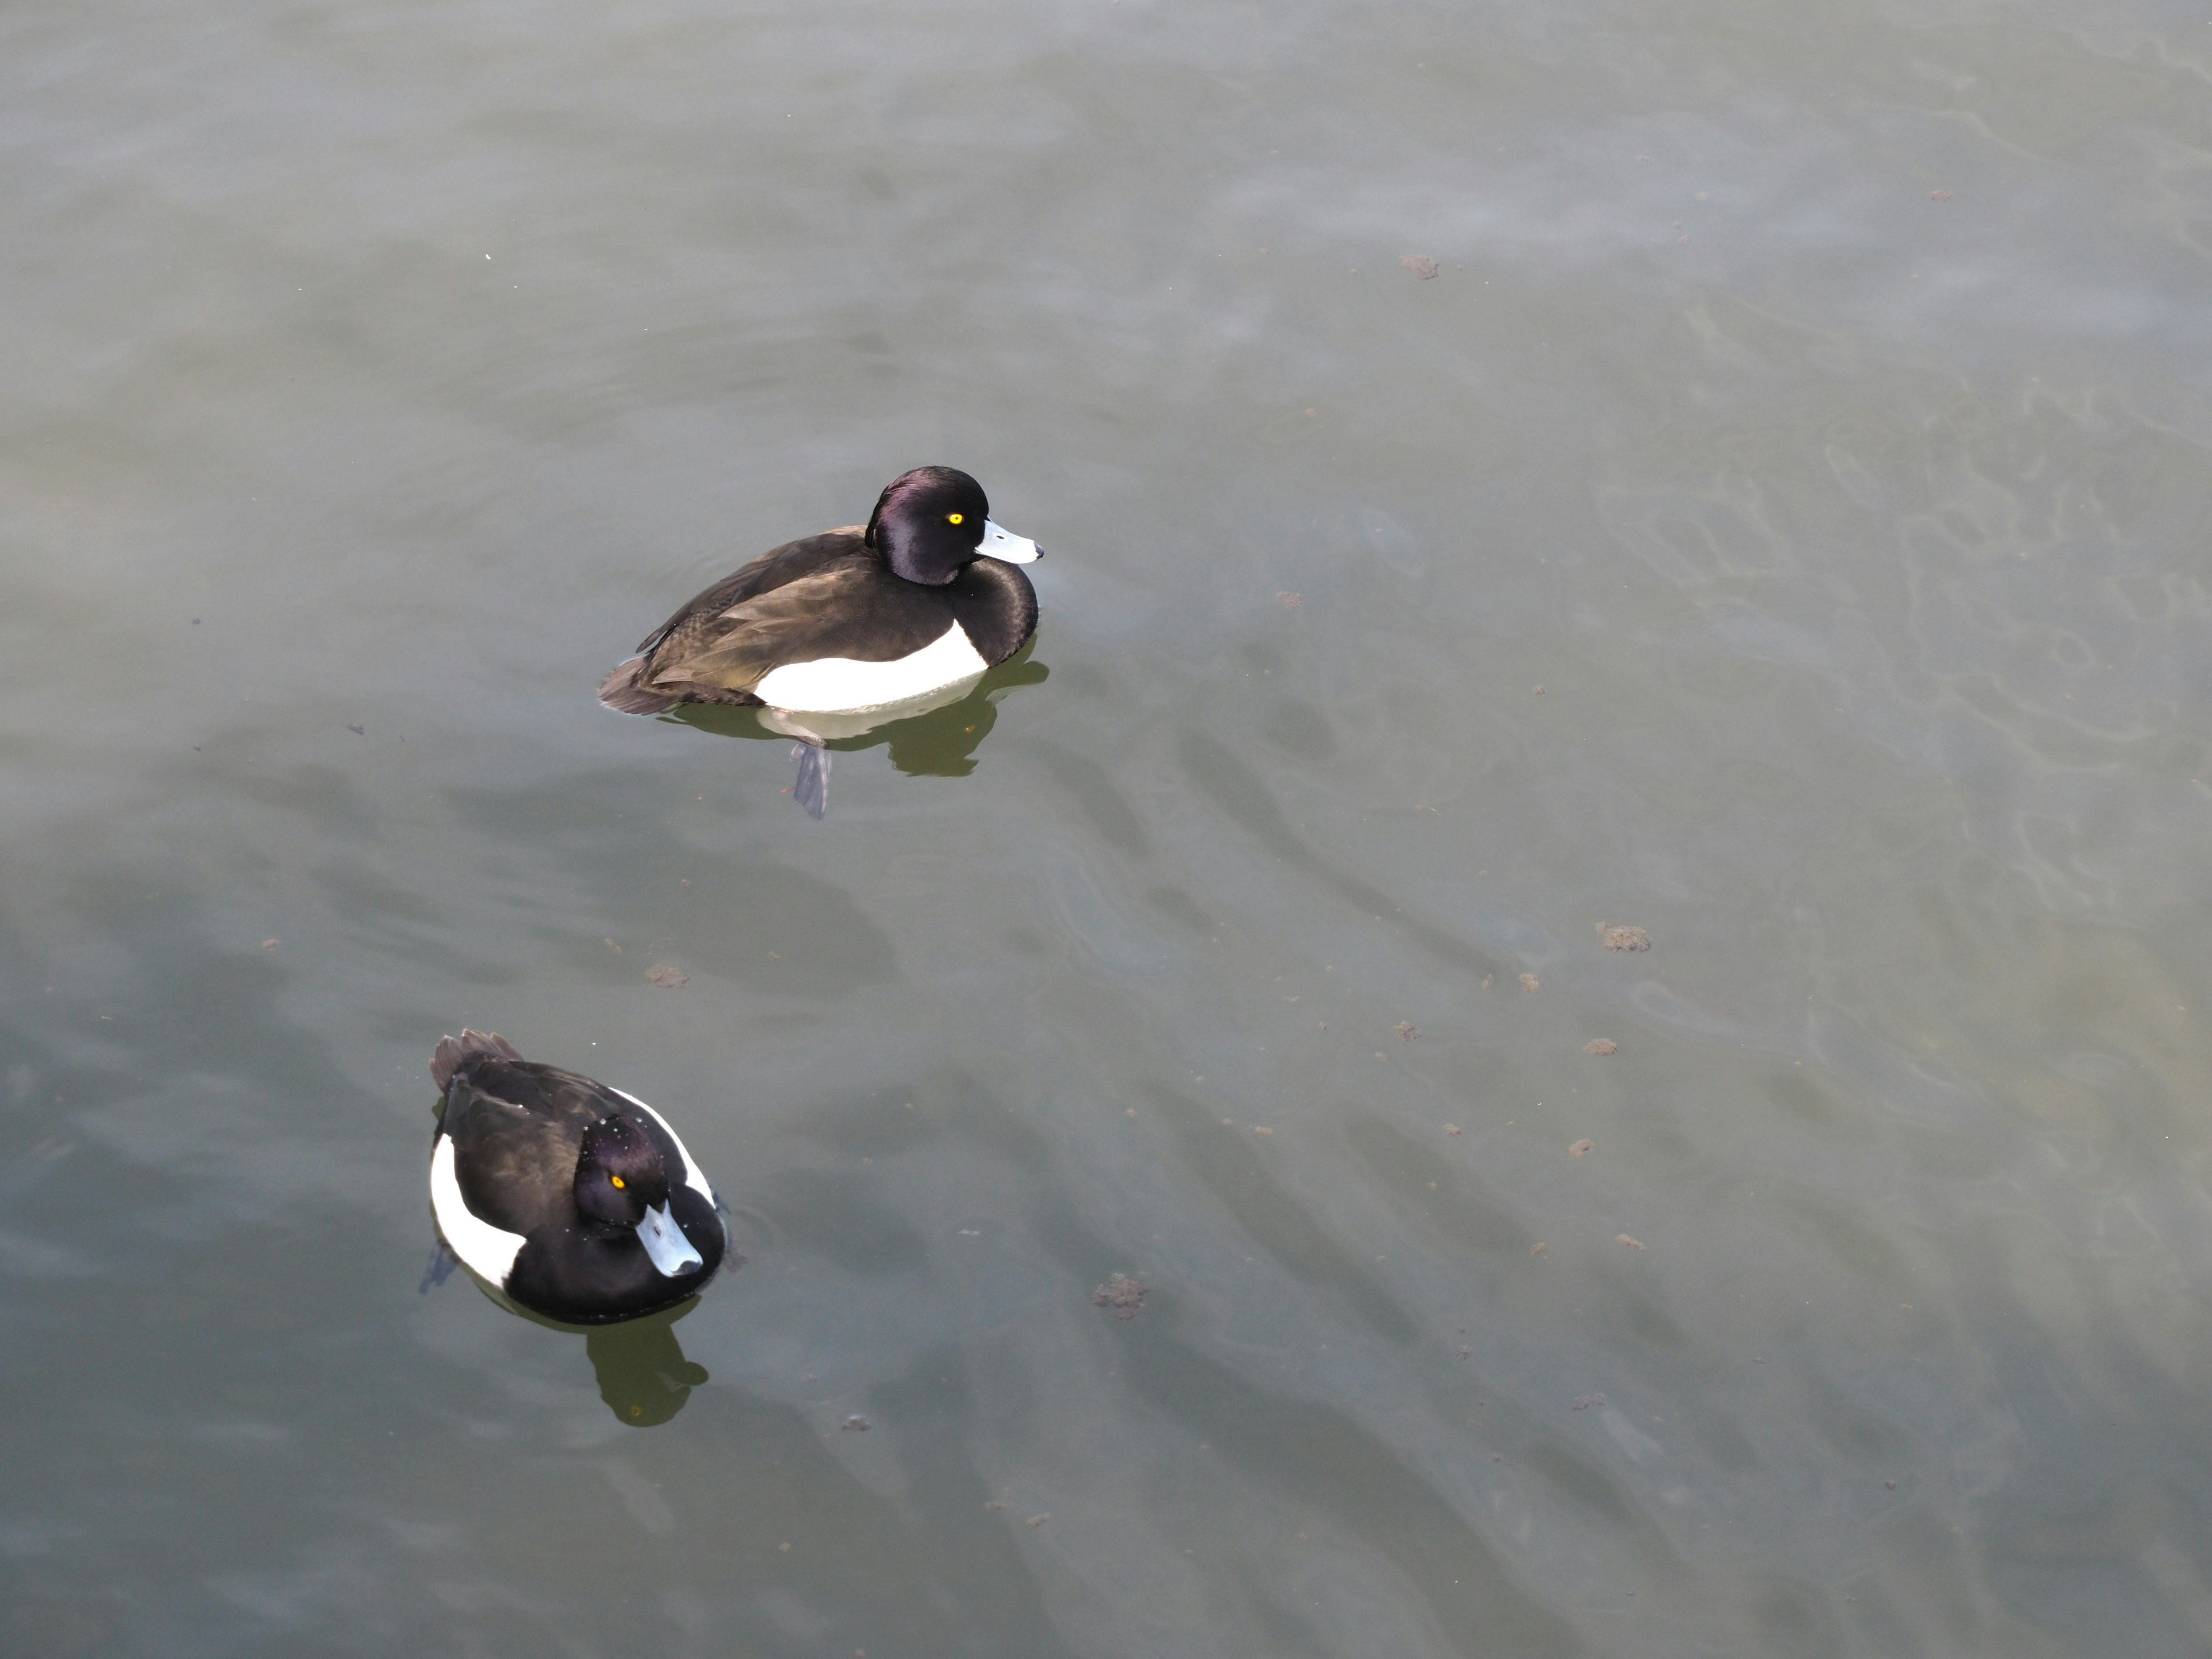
point(1623, 938)
point(1123, 1294)
point(667, 978)
point(1600, 1046)
point(1420, 263)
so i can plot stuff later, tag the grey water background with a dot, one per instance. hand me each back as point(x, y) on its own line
point(1811, 400)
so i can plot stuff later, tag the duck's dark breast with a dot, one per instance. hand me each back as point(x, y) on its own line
point(996, 608)
point(587, 1274)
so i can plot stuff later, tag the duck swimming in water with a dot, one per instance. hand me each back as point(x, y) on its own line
point(575, 1201)
point(923, 596)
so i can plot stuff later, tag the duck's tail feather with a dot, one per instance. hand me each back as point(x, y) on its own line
point(454, 1053)
point(812, 791)
point(620, 690)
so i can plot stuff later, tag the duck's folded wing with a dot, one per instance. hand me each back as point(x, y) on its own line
point(847, 610)
point(771, 570)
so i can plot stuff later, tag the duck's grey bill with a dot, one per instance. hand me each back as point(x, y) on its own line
point(665, 1242)
point(999, 543)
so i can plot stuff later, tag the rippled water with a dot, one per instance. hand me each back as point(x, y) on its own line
point(1778, 524)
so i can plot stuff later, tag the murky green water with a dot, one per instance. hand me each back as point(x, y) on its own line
point(1780, 524)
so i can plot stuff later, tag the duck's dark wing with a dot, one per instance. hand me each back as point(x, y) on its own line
point(517, 1128)
point(771, 570)
point(853, 608)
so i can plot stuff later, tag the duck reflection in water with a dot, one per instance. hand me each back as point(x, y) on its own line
point(642, 1373)
point(643, 1376)
point(935, 735)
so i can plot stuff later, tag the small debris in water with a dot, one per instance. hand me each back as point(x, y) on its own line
point(1289, 601)
point(1461, 1353)
point(1420, 263)
point(1633, 1243)
point(611, 945)
point(355, 730)
point(1582, 1149)
point(1623, 938)
point(667, 978)
point(1583, 1402)
point(1937, 196)
point(1123, 1294)
point(268, 943)
point(1535, 1250)
point(1407, 1031)
point(1038, 1520)
point(1487, 978)
point(993, 1504)
point(1529, 981)
point(1889, 1485)
point(856, 1423)
point(1537, 691)
point(1452, 1129)
point(1600, 1046)
point(1261, 1129)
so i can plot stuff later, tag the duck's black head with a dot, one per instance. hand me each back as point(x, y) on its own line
point(931, 522)
point(621, 1182)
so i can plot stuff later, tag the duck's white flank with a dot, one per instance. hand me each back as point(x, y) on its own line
point(691, 1177)
point(489, 1251)
point(840, 682)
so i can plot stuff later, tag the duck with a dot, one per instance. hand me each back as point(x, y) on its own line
point(924, 596)
point(572, 1200)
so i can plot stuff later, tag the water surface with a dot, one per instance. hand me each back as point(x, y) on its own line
point(1778, 524)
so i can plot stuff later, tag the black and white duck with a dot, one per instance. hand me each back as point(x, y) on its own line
point(924, 596)
point(575, 1201)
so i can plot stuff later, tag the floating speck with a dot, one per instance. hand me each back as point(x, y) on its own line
point(1939, 195)
point(1452, 1129)
point(1420, 263)
point(1633, 1243)
point(1037, 1519)
point(1582, 1149)
point(667, 978)
point(1600, 1046)
point(1123, 1294)
point(1407, 1031)
point(1623, 938)
point(1529, 981)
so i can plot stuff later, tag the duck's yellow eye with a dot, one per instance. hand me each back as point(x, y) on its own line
point(955, 517)
point(618, 1180)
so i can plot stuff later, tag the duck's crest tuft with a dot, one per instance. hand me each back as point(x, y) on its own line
point(454, 1053)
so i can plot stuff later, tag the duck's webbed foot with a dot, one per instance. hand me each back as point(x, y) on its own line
point(442, 1263)
point(812, 791)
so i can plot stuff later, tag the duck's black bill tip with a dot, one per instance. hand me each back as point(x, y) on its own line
point(812, 791)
